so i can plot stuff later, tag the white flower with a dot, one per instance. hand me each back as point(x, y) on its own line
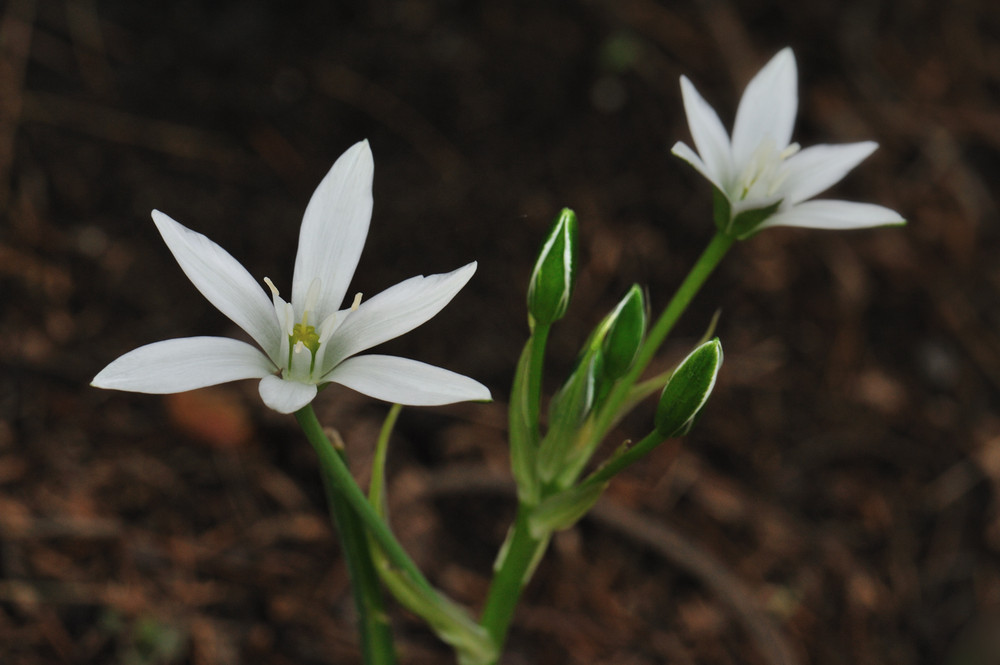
point(308, 341)
point(761, 170)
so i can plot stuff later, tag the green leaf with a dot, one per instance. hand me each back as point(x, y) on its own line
point(554, 274)
point(688, 389)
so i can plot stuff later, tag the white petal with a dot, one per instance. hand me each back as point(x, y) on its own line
point(818, 168)
point(709, 135)
point(835, 215)
point(405, 381)
point(285, 396)
point(177, 365)
point(223, 281)
point(397, 310)
point(334, 229)
point(685, 152)
point(767, 108)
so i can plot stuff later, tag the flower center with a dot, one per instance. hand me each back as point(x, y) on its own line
point(302, 336)
point(763, 174)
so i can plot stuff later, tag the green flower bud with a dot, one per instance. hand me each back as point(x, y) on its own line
point(688, 389)
point(625, 334)
point(554, 275)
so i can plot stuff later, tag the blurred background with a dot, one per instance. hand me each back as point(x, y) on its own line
point(838, 503)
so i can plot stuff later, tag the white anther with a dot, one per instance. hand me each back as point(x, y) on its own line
point(357, 302)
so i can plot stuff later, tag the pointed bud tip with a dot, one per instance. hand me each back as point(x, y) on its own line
point(626, 330)
point(554, 274)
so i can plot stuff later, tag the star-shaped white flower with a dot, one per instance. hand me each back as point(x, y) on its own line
point(308, 341)
point(760, 174)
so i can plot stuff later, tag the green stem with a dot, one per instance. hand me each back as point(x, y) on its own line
point(342, 479)
point(521, 550)
point(700, 272)
point(539, 337)
point(619, 462)
point(521, 553)
point(373, 622)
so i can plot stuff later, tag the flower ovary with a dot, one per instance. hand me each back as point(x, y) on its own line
point(305, 334)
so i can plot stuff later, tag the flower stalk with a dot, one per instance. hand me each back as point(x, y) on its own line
point(518, 558)
point(334, 467)
point(374, 630)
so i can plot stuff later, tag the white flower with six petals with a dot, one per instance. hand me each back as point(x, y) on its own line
point(760, 169)
point(308, 341)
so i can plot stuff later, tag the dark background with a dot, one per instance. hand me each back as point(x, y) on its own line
point(837, 503)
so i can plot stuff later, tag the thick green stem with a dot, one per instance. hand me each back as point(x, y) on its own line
point(521, 551)
point(700, 272)
point(519, 557)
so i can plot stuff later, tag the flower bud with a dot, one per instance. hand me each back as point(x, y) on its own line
point(688, 389)
point(554, 275)
point(625, 334)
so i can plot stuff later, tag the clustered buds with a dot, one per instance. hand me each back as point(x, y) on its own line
point(547, 466)
point(606, 356)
